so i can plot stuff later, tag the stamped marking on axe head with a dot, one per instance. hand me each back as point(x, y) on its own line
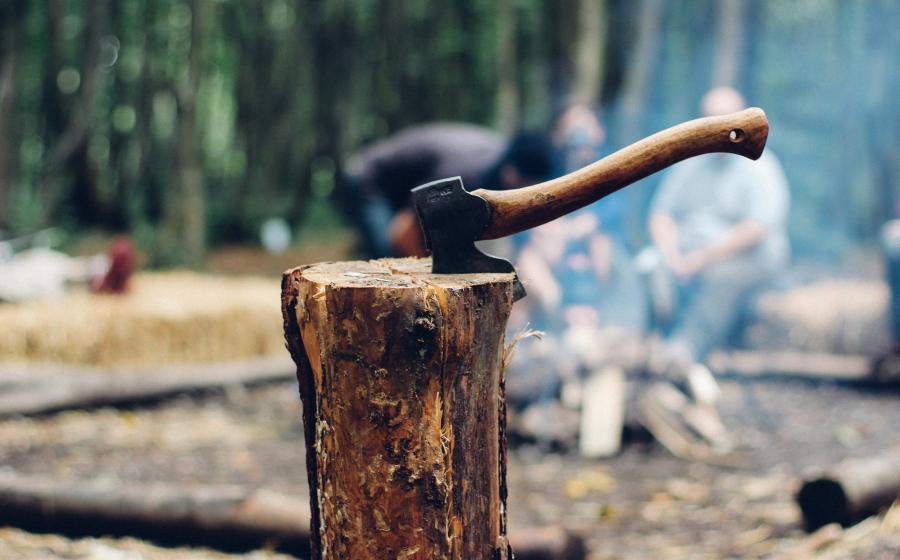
point(453, 218)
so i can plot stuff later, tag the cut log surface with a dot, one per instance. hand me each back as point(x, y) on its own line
point(401, 380)
point(851, 490)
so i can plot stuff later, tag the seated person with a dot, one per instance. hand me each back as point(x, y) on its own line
point(718, 223)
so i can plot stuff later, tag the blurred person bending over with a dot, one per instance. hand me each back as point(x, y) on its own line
point(375, 191)
point(718, 223)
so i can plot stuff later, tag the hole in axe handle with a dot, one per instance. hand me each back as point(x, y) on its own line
point(736, 135)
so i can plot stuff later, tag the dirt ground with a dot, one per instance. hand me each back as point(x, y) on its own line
point(643, 503)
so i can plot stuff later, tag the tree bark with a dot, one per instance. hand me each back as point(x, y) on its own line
point(402, 389)
point(850, 491)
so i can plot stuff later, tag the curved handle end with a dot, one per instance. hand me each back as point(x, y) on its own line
point(748, 132)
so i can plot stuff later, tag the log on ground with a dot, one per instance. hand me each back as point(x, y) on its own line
point(225, 517)
point(850, 491)
point(41, 388)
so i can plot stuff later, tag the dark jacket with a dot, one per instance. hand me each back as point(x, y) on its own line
point(391, 167)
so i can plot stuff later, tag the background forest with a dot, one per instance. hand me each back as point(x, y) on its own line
point(187, 124)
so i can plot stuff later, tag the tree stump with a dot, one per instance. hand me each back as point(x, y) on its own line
point(400, 374)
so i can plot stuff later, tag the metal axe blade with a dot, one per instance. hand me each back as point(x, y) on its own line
point(452, 220)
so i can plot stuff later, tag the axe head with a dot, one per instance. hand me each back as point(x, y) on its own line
point(452, 219)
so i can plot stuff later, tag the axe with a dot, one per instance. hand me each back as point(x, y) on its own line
point(453, 218)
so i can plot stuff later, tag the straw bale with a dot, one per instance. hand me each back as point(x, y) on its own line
point(167, 317)
point(837, 316)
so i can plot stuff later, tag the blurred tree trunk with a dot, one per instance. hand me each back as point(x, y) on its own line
point(507, 112)
point(185, 221)
point(269, 94)
point(10, 53)
point(52, 103)
point(634, 93)
point(548, 46)
point(729, 44)
point(640, 66)
point(332, 46)
point(121, 179)
point(253, 97)
point(294, 156)
point(72, 146)
point(590, 50)
point(151, 173)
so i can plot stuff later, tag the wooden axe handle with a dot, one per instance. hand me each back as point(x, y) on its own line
point(512, 211)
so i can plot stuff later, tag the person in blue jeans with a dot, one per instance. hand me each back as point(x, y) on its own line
point(886, 367)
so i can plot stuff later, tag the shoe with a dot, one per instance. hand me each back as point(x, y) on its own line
point(702, 385)
point(686, 428)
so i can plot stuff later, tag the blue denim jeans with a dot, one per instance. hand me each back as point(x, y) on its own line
point(711, 305)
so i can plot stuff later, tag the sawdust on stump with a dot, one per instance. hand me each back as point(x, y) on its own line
point(400, 376)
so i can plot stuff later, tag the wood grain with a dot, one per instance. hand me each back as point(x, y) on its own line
point(743, 133)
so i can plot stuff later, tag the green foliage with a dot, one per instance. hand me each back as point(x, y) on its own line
point(113, 107)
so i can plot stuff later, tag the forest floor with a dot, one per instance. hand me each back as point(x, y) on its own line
point(644, 503)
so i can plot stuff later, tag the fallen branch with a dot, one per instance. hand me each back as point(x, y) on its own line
point(836, 367)
point(35, 389)
point(223, 517)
